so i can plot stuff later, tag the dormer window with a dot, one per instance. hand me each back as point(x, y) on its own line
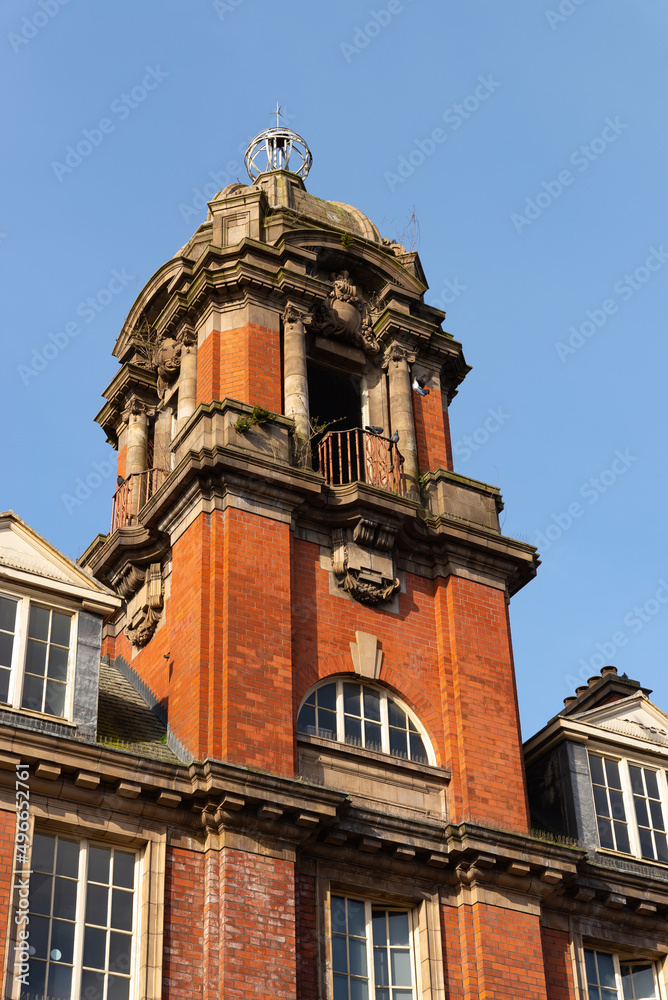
point(630, 802)
point(35, 653)
point(363, 715)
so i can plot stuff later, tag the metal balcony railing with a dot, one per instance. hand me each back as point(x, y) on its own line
point(133, 494)
point(361, 456)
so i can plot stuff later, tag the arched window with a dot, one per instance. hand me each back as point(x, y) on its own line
point(363, 715)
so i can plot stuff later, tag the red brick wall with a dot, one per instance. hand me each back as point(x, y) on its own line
point(558, 966)
point(432, 436)
point(183, 932)
point(258, 956)
point(478, 689)
point(510, 956)
point(250, 371)
point(307, 943)
point(7, 832)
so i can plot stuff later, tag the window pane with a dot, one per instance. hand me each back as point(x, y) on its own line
point(398, 743)
point(57, 669)
point(54, 702)
point(606, 969)
point(590, 965)
point(40, 893)
point(612, 771)
point(395, 715)
point(661, 848)
point(64, 899)
point(380, 967)
point(338, 914)
point(351, 699)
point(605, 833)
point(121, 910)
point(357, 953)
point(38, 625)
point(92, 985)
point(627, 988)
point(372, 736)
point(636, 780)
point(37, 981)
point(418, 751)
point(6, 647)
point(7, 614)
point(379, 928)
point(398, 923)
point(99, 860)
point(401, 967)
point(96, 904)
point(656, 813)
point(326, 724)
point(372, 704)
point(622, 835)
point(33, 688)
point(68, 858)
point(39, 936)
point(356, 921)
point(43, 851)
point(36, 657)
point(641, 811)
point(340, 987)
point(359, 989)
point(652, 784)
point(643, 981)
point(60, 982)
point(62, 941)
point(646, 845)
point(353, 731)
point(95, 944)
point(601, 801)
point(124, 869)
point(119, 989)
point(4, 683)
point(339, 953)
point(596, 765)
point(327, 697)
point(617, 804)
point(306, 720)
point(60, 629)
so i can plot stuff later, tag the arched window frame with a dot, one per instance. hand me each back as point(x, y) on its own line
point(386, 697)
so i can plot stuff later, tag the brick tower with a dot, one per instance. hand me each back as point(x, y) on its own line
point(316, 603)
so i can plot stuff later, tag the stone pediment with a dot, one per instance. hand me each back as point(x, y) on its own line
point(635, 717)
point(23, 551)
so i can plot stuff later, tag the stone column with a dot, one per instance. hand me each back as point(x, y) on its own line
point(377, 396)
point(295, 381)
point(136, 415)
point(397, 361)
point(187, 380)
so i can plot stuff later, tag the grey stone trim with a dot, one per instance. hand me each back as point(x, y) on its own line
point(19, 721)
point(87, 674)
point(583, 796)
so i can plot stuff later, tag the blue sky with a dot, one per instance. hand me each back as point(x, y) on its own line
point(541, 200)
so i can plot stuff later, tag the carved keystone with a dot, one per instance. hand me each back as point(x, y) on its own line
point(367, 658)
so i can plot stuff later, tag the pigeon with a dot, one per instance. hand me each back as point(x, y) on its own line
point(120, 481)
point(418, 385)
point(374, 429)
point(394, 439)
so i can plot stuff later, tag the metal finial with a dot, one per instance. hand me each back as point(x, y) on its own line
point(278, 144)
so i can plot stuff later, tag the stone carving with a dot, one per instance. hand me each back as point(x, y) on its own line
point(362, 561)
point(367, 658)
point(346, 315)
point(168, 362)
point(396, 353)
point(293, 314)
point(146, 607)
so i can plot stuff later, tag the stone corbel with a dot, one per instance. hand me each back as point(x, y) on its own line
point(363, 562)
point(147, 608)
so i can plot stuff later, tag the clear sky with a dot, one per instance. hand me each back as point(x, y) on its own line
point(529, 137)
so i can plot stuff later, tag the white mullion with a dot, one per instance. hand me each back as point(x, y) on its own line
point(340, 722)
point(629, 808)
point(19, 658)
point(384, 723)
point(80, 915)
point(369, 948)
point(137, 884)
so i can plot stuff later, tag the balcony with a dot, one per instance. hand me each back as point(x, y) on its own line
point(133, 494)
point(361, 456)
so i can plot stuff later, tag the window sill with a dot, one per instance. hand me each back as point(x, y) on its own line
point(385, 759)
point(32, 714)
point(630, 857)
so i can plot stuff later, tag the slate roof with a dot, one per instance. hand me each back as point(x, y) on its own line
point(126, 721)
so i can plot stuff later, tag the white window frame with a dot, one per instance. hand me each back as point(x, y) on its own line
point(618, 962)
point(24, 603)
point(369, 905)
point(629, 803)
point(384, 720)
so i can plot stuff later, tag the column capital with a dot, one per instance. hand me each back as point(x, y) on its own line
point(396, 353)
point(296, 313)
